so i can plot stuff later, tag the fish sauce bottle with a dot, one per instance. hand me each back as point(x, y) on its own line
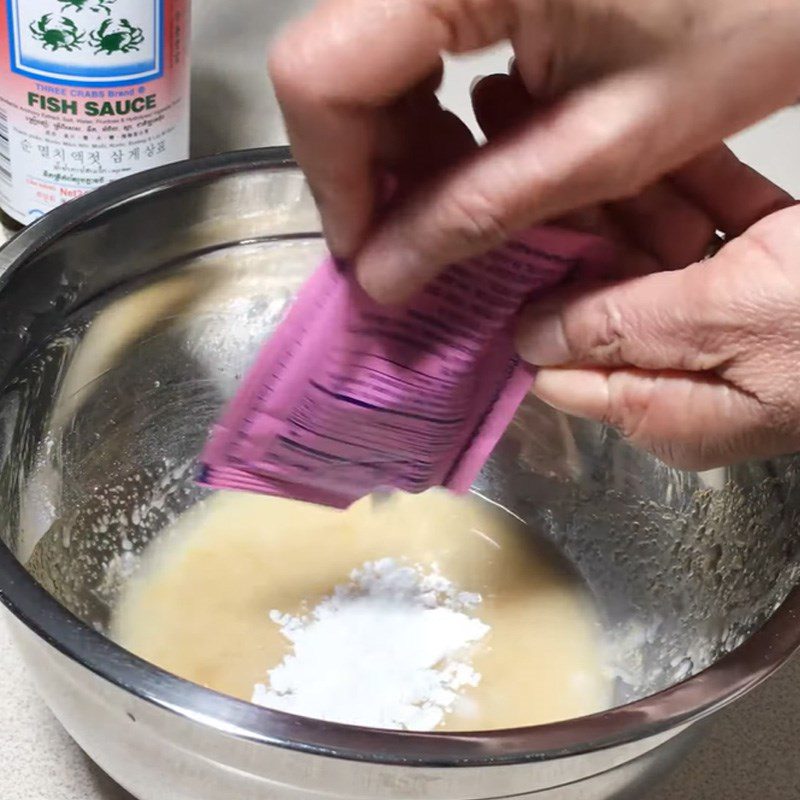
point(90, 91)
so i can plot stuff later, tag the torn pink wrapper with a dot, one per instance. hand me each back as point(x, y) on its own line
point(348, 397)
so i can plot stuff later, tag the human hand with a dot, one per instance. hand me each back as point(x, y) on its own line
point(616, 94)
point(698, 365)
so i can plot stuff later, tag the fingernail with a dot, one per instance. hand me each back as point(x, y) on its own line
point(391, 273)
point(383, 279)
point(541, 340)
point(340, 240)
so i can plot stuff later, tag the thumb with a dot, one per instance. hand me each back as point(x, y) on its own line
point(663, 358)
point(656, 321)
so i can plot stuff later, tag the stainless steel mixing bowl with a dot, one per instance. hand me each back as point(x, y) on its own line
point(126, 319)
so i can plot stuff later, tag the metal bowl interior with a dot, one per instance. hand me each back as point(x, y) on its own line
point(102, 414)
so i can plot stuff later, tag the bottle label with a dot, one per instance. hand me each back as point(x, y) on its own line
point(92, 90)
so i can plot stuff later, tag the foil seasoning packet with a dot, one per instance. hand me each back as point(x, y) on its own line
point(348, 397)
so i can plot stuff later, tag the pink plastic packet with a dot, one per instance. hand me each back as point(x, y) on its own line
point(348, 397)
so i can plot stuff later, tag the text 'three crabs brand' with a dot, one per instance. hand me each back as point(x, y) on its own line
point(90, 91)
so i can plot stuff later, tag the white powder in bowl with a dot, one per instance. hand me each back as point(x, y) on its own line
point(388, 649)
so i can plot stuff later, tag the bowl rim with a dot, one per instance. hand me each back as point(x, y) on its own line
point(730, 677)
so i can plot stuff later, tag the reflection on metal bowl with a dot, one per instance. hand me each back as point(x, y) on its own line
point(693, 574)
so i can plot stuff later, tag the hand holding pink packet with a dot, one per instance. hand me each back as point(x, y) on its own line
point(349, 397)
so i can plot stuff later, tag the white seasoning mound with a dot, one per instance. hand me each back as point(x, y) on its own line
point(388, 649)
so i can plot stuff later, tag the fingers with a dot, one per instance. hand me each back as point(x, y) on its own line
point(337, 69)
point(673, 220)
point(625, 113)
point(689, 420)
point(587, 148)
point(422, 139)
point(657, 321)
point(660, 222)
point(500, 103)
point(733, 194)
point(602, 141)
point(669, 226)
point(696, 365)
point(696, 319)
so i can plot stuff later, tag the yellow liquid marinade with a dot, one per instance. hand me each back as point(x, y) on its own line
point(199, 605)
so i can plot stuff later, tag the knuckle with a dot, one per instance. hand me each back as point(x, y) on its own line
point(635, 411)
point(629, 405)
point(605, 341)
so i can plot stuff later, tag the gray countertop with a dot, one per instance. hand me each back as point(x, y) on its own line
point(750, 750)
